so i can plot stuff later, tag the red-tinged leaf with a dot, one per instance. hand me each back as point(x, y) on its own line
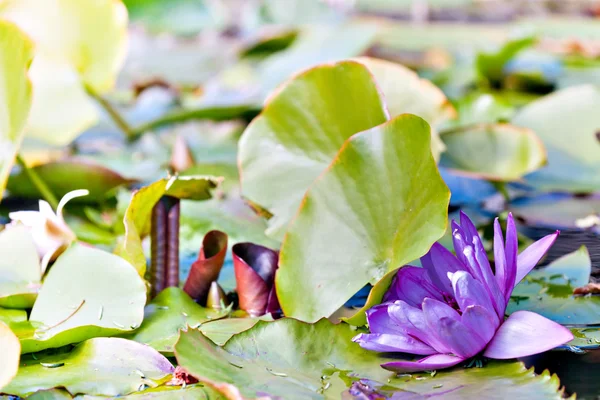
point(207, 267)
point(255, 268)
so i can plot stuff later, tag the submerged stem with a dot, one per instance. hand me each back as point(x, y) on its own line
point(164, 264)
point(39, 184)
point(117, 118)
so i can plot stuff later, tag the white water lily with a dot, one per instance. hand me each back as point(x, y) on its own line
point(50, 232)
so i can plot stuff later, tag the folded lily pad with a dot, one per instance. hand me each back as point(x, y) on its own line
point(137, 215)
point(11, 351)
point(221, 330)
point(20, 272)
point(15, 96)
point(549, 291)
point(99, 366)
point(380, 221)
point(87, 293)
point(168, 313)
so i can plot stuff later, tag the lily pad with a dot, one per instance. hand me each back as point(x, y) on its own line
point(221, 330)
point(567, 122)
point(20, 271)
point(286, 358)
point(99, 366)
point(16, 52)
point(77, 44)
point(166, 393)
point(93, 304)
point(65, 176)
point(11, 351)
point(137, 215)
point(299, 133)
point(381, 220)
point(168, 313)
point(497, 152)
point(490, 66)
point(549, 291)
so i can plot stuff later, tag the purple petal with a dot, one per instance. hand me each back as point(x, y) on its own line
point(470, 292)
point(438, 262)
point(468, 227)
point(500, 258)
point(480, 321)
point(531, 255)
point(412, 285)
point(435, 310)
point(434, 362)
point(381, 321)
point(511, 249)
point(488, 280)
point(461, 340)
point(525, 333)
point(417, 326)
point(392, 343)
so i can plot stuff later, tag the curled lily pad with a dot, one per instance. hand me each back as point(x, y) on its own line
point(15, 98)
point(206, 268)
point(78, 45)
point(381, 221)
point(137, 215)
point(255, 267)
point(68, 175)
point(221, 330)
point(20, 271)
point(549, 291)
point(567, 122)
point(168, 313)
point(497, 152)
point(99, 366)
point(94, 303)
point(11, 351)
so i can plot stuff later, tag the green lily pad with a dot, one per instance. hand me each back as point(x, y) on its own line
point(221, 330)
point(190, 392)
point(65, 176)
point(482, 108)
point(11, 352)
point(380, 221)
point(549, 291)
point(490, 66)
point(567, 122)
point(105, 296)
point(20, 271)
point(168, 313)
point(137, 215)
point(496, 380)
point(286, 358)
point(99, 366)
point(300, 131)
point(15, 99)
point(497, 152)
point(50, 394)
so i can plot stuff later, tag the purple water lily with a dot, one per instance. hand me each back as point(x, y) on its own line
point(453, 308)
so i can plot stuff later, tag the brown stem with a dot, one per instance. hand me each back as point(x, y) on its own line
point(158, 248)
point(172, 256)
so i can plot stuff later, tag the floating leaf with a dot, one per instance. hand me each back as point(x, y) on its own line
point(16, 52)
point(285, 358)
point(549, 291)
point(77, 44)
point(299, 132)
point(137, 216)
point(65, 176)
point(167, 393)
point(567, 122)
point(11, 351)
point(483, 108)
point(20, 272)
point(168, 313)
point(50, 394)
point(100, 366)
point(490, 66)
point(497, 152)
point(221, 330)
point(380, 222)
point(105, 296)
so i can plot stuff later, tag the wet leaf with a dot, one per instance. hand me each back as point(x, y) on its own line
point(549, 291)
point(16, 52)
point(324, 258)
point(496, 152)
point(65, 176)
point(167, 393)
point(221, 330)
point(100, 366)
point(11, 351)
point(283, 150)
point(94, 303)
point(286, 358)
point(137, 216)
point(77, 44)
point(567, 123)
point(168, 313)
point(20, 272)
